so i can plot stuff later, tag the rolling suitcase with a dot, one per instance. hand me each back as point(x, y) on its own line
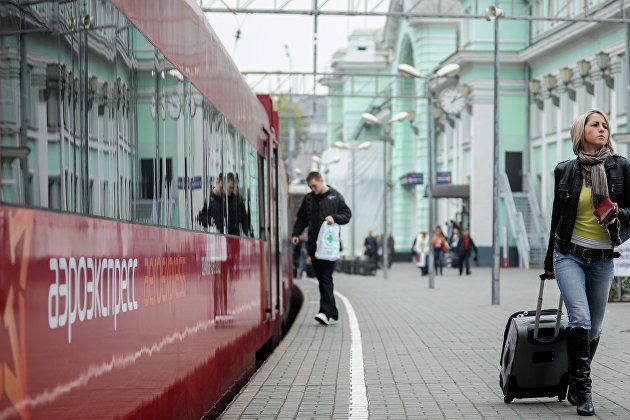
point(534, 360)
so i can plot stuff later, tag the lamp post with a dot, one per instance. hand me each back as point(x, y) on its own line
point(493, 13)
point(353, 147)
point(291, 130)
point(371, 119)
point(445, 71)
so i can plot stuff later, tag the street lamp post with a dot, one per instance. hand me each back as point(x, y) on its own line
point(353, 148)
point(493, 13)
point(291, 129)
point(371, 119)
point(446, 71)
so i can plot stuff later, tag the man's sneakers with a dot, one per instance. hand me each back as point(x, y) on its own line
point(324, 320)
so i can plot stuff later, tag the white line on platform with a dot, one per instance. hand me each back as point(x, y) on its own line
point(358, 407)
point(358, 394)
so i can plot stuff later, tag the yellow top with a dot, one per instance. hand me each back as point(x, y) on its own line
point(586, 224)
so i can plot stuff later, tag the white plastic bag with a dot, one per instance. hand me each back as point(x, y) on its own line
point(328, 242)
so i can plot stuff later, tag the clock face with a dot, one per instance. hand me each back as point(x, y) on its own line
point(452, 100)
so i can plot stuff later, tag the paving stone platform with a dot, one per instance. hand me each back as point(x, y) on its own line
point(426, 353)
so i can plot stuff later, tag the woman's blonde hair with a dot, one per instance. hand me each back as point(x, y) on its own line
point(577, 131)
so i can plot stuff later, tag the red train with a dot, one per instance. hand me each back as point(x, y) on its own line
point(145, 260)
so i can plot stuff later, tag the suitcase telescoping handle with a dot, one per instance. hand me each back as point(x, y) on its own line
point(544, 277)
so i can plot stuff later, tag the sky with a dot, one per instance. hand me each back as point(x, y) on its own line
point(261, 46)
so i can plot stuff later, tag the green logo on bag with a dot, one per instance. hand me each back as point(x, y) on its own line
point(329, 238)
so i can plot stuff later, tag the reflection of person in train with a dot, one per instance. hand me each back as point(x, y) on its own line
point(232, 206)
point(243, 215)
point(213, 212)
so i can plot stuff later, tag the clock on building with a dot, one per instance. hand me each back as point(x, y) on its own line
point(452, 100)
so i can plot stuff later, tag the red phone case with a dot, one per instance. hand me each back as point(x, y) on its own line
point(604, 211)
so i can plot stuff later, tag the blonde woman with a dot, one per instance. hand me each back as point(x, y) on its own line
point(580, 251)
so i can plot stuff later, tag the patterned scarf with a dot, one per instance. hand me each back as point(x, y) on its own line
point(595, 174)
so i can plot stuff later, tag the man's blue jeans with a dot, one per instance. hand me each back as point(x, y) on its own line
point(584, 284)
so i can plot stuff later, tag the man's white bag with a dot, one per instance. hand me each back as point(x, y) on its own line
point(328, 242)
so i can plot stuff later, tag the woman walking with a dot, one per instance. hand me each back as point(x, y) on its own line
point(580, 251)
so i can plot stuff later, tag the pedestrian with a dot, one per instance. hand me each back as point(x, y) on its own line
point(323, 203)
point(370, 246)
point(464, 246)
point(421, 249)
point(453, 240)
point(439, 248)
point(390, 249)
point(379, 250)
point(580, 251)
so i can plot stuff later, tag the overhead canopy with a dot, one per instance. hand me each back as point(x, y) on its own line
point(450, 191)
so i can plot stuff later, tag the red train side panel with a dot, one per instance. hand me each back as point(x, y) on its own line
point(105, 319)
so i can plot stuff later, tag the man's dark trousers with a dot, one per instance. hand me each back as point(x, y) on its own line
point(464, 259)
point(324, 271)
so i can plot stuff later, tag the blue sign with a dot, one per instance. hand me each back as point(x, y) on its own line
point(444, 178)
point(412, 178)
point(194, 183)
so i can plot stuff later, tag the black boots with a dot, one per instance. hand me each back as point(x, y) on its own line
point(579, 352)
point(571, 395)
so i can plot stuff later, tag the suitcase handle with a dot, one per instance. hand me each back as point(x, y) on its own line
point(544, 277)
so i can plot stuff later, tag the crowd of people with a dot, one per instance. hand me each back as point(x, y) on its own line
point(374, 248)
point(454, 249)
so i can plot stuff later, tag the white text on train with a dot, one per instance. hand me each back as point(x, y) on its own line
point(90, 288)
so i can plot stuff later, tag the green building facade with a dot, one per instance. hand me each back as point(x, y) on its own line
point(551, 70)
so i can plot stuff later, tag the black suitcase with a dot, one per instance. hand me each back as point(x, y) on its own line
point(534, 359)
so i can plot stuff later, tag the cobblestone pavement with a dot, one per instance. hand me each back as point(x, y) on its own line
point(427, 353)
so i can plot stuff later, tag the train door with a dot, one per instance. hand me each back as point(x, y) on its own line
point(265, 231)
point(276, 232)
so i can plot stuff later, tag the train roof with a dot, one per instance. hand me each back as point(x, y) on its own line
point(180, 30)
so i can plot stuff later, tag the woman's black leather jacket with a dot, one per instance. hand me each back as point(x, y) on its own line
point(566, 194)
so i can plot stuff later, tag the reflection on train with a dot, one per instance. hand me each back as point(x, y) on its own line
point(144, 267)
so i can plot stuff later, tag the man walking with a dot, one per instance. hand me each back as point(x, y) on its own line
point(323, 203)
point(465, 246)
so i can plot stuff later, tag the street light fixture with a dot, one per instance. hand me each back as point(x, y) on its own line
point(387, 126)
point(444, 71)
point(353, 147)
point(322, 163)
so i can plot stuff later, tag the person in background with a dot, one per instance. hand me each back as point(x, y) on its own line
point(439, 248)
point(370, 246)
point(421, 249)
point(580, 250)
point(464, 246)
point(390, 249)
point(322, 204)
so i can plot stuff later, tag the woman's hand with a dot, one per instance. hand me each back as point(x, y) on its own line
point(612, 219)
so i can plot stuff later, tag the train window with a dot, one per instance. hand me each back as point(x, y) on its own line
point(121, 133)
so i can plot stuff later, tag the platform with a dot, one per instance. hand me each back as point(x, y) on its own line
point(404, 351)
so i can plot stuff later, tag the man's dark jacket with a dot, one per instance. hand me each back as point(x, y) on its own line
point(313, 211)
point(213, 211)
point(567, 188)
point(461, 247)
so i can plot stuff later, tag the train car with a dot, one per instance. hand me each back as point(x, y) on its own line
point(145, 264)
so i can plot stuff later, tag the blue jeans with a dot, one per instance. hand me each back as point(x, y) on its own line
point(584, 284)
point(438, 262)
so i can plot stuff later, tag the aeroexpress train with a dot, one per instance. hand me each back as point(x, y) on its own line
point(145, 257)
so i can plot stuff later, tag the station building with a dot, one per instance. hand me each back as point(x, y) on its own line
point(551, 71)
